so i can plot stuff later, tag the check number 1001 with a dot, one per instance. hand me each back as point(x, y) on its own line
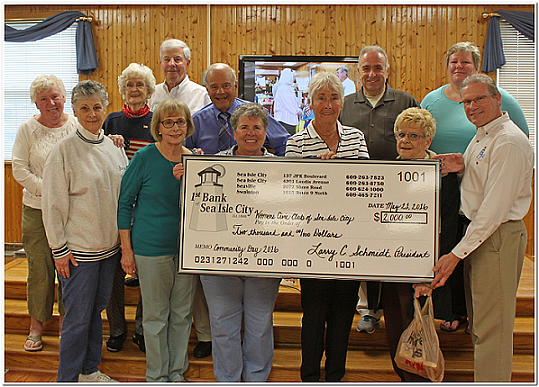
point(409, 177)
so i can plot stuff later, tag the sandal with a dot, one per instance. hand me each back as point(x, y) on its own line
point(459, 320)
point(35, 340)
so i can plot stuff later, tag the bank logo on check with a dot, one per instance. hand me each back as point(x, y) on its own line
point(209, 201)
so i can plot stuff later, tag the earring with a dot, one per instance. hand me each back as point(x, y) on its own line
point(159, 133)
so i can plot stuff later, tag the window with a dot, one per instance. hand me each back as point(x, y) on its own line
point(517, 76)
point(23, 62)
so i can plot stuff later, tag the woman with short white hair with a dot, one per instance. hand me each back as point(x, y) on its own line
point(35, 138)
point(131, 127)
point(326, 302)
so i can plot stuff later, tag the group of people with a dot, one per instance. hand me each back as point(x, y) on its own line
point(101, 200)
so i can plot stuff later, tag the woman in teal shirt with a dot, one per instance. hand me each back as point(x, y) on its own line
point(148, 220)
point(454, 132)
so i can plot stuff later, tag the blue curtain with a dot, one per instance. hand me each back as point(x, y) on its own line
point(524, 22)
point(86, 56)
point(493, 57)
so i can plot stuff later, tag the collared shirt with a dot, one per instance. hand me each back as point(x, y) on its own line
point(496, 185)
point(190, 93)
point(232, 152)
point(376, 123)
point(308, 143)
point(207, 128)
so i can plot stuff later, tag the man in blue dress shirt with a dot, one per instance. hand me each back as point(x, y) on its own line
point(213, 132)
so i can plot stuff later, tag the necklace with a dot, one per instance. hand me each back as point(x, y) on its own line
point(161, 150)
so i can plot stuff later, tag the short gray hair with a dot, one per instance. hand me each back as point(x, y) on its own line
point(89, 89)
point(481, 78)
point(343, 69)
point(169, 44)
point(44, 83)
point(368, 49)
point(325, 80)
point(220, 66)
point(250, 110)
point(464, 47)
point(135, 70)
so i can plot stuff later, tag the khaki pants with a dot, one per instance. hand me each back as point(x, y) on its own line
point(41, 269)
point(491, 275)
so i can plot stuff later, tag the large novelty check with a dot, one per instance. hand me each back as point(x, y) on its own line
point(282, 217)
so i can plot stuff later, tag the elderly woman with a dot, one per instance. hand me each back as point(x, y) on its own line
point(414, 130)
point(132, 127)
point(454, 133)
point(35, 138)
point(81, 185)
point(149, 219)
point(232, 299)
point(330, 302)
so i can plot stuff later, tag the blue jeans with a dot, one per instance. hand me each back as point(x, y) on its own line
point(86, 294)
point(167, 297)
point(230, 299)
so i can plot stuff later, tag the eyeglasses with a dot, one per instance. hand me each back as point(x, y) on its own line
point(468, 102)
point(225, 86)
point(170, 123)
point(411, 136)
point(139, 86)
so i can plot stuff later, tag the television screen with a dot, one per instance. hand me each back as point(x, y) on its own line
point(259, 76)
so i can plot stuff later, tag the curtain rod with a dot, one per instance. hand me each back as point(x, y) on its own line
point(487, 15)
point(82, 18)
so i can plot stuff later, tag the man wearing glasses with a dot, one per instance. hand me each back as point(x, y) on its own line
point(213, 132)
point(496, 194)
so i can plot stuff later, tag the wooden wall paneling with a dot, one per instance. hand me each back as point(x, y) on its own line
point(415, 36)
point(12, 207)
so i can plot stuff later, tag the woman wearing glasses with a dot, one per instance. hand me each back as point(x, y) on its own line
point(131, 127)
point(150, 194)
point(414, 130)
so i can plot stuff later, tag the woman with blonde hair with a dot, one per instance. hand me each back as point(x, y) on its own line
point(149, 221)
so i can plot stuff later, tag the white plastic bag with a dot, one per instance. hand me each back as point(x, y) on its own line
point(419, 350)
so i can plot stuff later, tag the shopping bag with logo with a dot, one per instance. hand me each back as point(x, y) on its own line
point(419, 350)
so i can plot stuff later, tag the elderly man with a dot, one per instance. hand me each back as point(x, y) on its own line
point(347, 83)
point(213, 132)
point(175, 58)
point(496, 194)
point(373, 110)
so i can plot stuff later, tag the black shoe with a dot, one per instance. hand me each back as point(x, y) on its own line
point(203, 349)
point(115, 343)
point(139, 340)
point(132, 281)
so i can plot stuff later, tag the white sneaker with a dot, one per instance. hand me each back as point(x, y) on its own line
point(96, 377)
point(367, 324)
